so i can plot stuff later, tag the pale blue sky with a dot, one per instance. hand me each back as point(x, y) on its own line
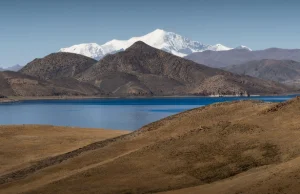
point(35, 28)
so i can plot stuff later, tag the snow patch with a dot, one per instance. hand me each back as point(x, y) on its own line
point(160, 39)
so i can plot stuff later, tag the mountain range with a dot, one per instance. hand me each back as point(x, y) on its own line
point(142, 70)
point(284, 71)
point(12, 68)
point(240, 56)
point(19, 84)
point(58, 65)
point(160, 39)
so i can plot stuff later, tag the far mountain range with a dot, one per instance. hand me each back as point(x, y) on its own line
point(157, 64)
point(235, 57)
point(140, 70)
point(283, 71)
point(12, 68)
point(160, 39)
point(284, 66)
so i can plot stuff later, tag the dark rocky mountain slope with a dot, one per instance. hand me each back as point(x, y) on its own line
point(284, 71)
point(58, 65)
point(235, 56)
point(18, 84)
point(144, 70)
point(140, 70)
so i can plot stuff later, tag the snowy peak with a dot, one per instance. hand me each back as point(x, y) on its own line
point(219, 47)
point(242, 47)
point(160, 39)
point(12, 68)
point(91, 50)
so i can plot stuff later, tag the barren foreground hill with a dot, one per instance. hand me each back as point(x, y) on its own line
point(236, 147)
point(23, 145)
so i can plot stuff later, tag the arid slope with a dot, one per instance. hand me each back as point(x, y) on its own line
point(200, 147)
point(25, 144)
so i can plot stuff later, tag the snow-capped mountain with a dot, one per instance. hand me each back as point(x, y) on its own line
point(92, 50)
point(12, 68)
point(242, 47)
point(160, 39)
point(219, 47)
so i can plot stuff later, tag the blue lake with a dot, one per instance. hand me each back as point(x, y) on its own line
point(128, 114)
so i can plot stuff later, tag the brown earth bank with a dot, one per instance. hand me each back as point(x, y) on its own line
point(234, 147)
point(23, 145)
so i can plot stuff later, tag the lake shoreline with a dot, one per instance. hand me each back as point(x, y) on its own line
point(178, 146)
point(117, 113)
point(15, 99)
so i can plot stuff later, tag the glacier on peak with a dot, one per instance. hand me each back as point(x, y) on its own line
point(242, 47)
point(160, 39)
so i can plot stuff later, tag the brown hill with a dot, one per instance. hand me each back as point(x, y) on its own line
point(240, 56)
point(205, 149)
point(18, 84)
point(284, 71)
point(58, 65)
point(17, 142)
point(144, 70)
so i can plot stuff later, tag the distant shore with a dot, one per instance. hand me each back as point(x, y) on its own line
point(12, 99)
point(7, 100)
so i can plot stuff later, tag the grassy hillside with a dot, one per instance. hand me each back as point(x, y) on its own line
point(203, 148)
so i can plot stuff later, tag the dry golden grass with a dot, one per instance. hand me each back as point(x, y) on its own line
point(271, 179)
point(237, 147)
point(23, 145)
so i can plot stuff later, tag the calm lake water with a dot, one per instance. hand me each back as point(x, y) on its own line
point(128, 114)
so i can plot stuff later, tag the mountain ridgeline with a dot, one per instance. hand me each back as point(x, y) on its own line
point(160, 39)
point(50, 76)
point(141, 70)
point(284, 71)
point(18, 84)
point(240, 56)
point(12, 68)
point(58, 65)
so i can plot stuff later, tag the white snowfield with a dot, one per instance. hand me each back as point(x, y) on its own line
point(243, 47)
point(160, 39)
